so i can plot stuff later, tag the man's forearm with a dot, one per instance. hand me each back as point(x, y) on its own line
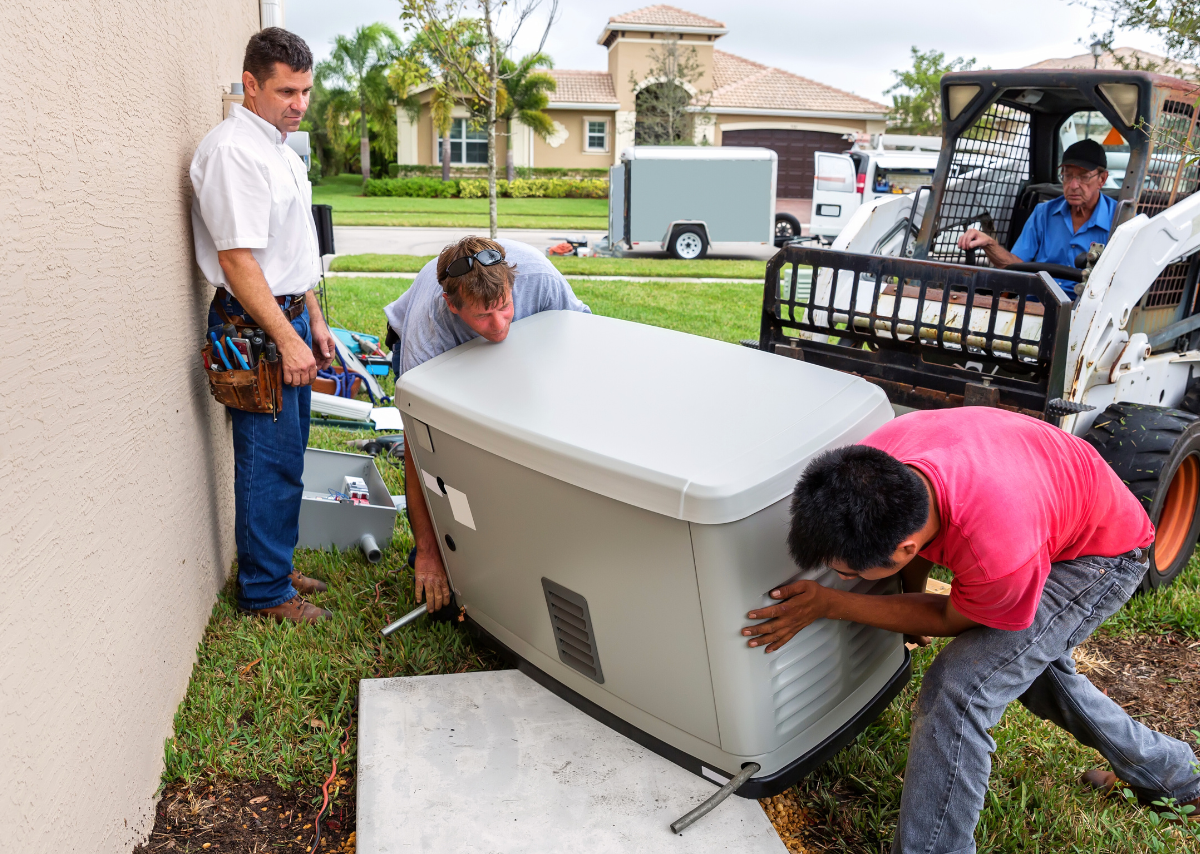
point(315, 318)
point(905, 613)
point(999, 256)
point(249, 287)
point(424, 537)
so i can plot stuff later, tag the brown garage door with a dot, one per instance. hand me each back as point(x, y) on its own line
point(795, 149)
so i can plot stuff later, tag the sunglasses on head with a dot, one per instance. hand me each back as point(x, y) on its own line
point(462, 266)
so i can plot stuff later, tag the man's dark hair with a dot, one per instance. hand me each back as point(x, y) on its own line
point(855, 504)
point(272, 45)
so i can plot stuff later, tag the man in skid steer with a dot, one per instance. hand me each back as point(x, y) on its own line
point(1044, 542)
point(475, 288)
point(1058, 230)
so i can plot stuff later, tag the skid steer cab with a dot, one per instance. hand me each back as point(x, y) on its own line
point(896, 302)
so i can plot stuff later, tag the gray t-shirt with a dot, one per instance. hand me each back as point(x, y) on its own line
point(428, 328)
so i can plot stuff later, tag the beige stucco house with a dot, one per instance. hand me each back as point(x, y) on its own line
point(736, 101)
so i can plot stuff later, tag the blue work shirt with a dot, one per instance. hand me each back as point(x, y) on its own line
point(1051, 238)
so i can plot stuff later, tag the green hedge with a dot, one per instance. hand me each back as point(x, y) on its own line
point(423, 188)
point(407, 170)
point(477, 188)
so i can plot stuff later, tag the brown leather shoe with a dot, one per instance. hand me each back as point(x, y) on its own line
point(306, 586)
point(294, 609)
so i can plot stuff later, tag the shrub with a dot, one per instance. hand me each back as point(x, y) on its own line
point(393, 170)
point(424, 188)
point(477, 188)
point(558, 188)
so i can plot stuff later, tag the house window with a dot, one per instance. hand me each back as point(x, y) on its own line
point(597, 135)
point(468, 145)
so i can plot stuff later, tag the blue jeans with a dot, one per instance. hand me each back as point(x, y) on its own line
point(268, 455)
point(980, 672)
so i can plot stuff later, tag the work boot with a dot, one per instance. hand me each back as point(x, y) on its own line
point(1107, 783)
point(1104, 782)
point(294, 609)
point(306, 586)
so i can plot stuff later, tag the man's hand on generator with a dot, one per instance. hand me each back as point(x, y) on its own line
point(803, 602)
point(430, 580)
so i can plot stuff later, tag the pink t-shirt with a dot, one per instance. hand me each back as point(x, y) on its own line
point(1015, 495)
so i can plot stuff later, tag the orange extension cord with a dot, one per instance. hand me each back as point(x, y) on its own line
point(325, 790)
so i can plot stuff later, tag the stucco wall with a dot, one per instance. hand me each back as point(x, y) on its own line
point(570, 153)
point(635, 54)
point(116, 466)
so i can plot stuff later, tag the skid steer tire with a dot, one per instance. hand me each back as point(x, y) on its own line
point(1156, 452)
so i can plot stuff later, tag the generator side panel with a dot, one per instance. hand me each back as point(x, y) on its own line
point(512, 527)
point(784, 703)
point(733, 198)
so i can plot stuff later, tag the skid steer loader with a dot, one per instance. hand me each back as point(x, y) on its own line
point(897, 302)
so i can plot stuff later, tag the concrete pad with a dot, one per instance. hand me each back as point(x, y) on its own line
point(492, 762)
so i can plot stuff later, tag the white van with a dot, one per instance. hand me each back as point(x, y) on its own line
point(843, 182)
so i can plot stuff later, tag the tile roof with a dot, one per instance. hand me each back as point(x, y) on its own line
point(664, 16)
point(1131, 56)
point(582, 87)
point(740, 82)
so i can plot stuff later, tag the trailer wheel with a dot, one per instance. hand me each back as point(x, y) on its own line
point(688, 244)
point(1156, 452)
point(786, 228)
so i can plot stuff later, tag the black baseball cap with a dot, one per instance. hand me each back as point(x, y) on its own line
point(1086, 154)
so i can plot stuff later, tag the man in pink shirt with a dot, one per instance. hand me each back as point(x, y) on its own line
point(1044, 542)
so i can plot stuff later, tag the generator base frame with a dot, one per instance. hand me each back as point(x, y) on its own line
point(766, 786)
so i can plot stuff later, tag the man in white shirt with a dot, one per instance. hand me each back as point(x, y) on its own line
point(257, 244)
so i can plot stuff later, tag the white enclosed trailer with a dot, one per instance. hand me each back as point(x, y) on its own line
point(688, 199)
point(611, 499)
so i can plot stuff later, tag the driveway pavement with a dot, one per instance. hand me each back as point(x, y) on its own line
point(356, 239)
point(362, 239)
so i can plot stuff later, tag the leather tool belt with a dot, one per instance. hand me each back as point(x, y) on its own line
point(260, 387)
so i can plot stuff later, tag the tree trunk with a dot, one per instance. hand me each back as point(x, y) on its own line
point(364, 143)
point(509, 169)
point(493, 72)
point(446, 156)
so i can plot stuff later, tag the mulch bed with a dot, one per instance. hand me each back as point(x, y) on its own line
point(1156, 678)
point(230, 817)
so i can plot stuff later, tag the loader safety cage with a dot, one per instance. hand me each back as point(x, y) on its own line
point(932, 335)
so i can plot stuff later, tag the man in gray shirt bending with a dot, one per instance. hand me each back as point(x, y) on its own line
point(475, 289)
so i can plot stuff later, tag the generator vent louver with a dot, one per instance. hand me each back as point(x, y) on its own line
point(572, 624)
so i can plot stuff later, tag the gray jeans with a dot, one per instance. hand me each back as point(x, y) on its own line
point(980, 672)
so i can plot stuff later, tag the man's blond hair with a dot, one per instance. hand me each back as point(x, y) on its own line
point(485, 286)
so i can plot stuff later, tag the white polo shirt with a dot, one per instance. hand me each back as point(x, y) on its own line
point(251, 191)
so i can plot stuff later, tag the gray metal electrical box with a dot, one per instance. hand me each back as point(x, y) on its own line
point(612, 498)
point(325, 521)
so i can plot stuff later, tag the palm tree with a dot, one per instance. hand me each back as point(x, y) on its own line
point(524, 97)
point(356, 73)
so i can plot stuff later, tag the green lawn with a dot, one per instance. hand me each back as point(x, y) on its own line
point(571, 265)
point(350, 207)
point(273, 701)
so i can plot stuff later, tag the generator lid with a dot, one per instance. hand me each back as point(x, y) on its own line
point(684, 426)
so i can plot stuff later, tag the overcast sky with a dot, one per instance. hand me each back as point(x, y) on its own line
point(853, 46)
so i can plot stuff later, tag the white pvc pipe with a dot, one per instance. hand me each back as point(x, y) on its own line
point(270, 13)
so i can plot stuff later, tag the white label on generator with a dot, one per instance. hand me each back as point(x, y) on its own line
point(431, 483)
point(460, 508)
point(719, 779)
point(423, 437)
